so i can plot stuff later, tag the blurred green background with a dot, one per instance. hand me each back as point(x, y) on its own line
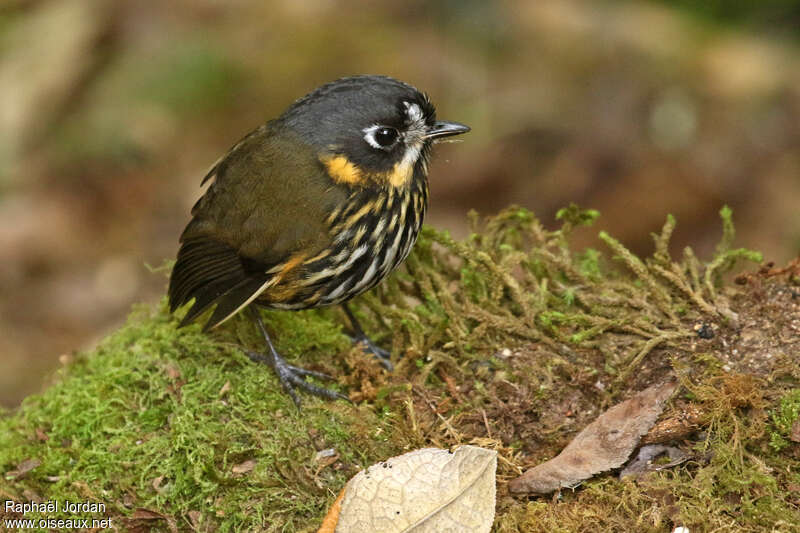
point(112, 110)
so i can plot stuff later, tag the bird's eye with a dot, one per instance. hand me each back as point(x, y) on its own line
point(381, 137)
point(386, 136)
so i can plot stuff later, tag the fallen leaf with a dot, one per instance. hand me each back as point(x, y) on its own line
point(794, 436)
point(128, 500)
point(195, 518)
point(424, 491)
point(604, 444)
point(148, 514)
point(23, 468)
point(643, 462)
point(173, 372)
point(157, 483)
point(32, 495)
point(176, 383)
point(224, 389)
point(41, 435)
point(245, 467)
point(330, 520)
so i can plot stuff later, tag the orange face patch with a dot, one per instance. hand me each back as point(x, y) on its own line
point(400, 174)
point(342, 170)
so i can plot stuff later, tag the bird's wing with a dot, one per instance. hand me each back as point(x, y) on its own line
point(268, 202)
point(211, 273)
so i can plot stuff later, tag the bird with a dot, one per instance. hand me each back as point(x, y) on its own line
point(309, 210)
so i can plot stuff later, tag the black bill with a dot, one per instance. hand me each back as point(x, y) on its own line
point(443, 129)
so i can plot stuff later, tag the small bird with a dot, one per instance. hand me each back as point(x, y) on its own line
point(311, 209)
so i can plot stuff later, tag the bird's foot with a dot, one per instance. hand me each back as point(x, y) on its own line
point(384, 357)
point(369, 347)
point(292, 377)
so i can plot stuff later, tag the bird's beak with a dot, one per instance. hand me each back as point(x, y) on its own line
point(441, 129)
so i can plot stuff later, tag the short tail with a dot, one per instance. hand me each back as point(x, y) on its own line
point(211, 273)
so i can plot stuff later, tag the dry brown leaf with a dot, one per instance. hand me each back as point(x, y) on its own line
point(330, 520)
point(604, 444)
point(245, 467)
point(156, 483)
point(142, 514)
point(32, 495)
point(173, 372)
point(794, 436)
point(195, 518)
point(146, 514)
point(128, 500)
point(428, 490)
point(23, 468)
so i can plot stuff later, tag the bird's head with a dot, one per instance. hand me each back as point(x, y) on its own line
point(369, 130)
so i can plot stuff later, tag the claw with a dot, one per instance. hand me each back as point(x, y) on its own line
point(384, 357)
point(290, 376)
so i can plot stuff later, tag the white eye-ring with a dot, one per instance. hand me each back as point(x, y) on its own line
point(381, 137)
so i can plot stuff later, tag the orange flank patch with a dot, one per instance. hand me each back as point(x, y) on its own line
point(286, 285)
point(341, 170)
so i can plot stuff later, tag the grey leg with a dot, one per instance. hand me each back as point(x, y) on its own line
point(289, 376)
point(384, 357)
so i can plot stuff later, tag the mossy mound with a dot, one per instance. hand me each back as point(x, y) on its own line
point(509, 340)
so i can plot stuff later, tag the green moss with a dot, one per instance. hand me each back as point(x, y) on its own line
point(492, 337)
point(783, 417)
point(729, 485)
point(576, 216)
point(156, 403)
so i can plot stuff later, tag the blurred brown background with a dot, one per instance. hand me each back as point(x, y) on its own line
point(111, 111)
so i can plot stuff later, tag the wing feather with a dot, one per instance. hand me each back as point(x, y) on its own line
point(209, 273)
point(268, 200)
